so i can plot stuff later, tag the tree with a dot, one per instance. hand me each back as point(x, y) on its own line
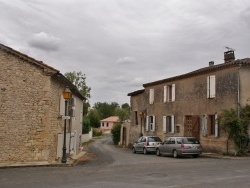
point(122, 113)
point(236, 126)
point(105, 109)
point(116, 131)
point(94, 118)
point(79, 80)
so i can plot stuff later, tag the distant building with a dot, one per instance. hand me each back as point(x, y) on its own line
point(108, 123)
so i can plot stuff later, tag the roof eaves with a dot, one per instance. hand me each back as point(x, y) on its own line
point(136, 92)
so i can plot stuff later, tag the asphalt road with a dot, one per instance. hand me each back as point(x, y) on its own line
point(108, 166)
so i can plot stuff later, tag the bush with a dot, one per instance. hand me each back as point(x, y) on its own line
point(85, 125)
point(97, 132)
point(116, 131)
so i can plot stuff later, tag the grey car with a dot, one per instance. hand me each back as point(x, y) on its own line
point(146, 144)
point(180, 146)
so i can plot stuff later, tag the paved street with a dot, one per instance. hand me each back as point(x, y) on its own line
point(109, 166)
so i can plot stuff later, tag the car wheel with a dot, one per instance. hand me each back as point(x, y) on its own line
point(158, 153)
point(175, 154)
point(134, 151)
point(145, 151)
point(195, 156)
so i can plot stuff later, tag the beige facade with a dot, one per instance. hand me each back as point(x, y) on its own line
point(189, 104)
point(30, 99)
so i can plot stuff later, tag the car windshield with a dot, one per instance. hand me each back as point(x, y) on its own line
point(154, 139)
point(191, 141)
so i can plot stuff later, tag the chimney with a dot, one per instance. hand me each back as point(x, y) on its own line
point(229, 56)
point(211, 63)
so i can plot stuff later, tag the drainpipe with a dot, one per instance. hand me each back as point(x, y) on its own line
point(238, 109)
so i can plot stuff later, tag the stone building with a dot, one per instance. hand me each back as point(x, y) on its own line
point(189, 104)
point(31, 110)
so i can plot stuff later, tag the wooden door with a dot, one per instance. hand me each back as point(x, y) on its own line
point(192, 126)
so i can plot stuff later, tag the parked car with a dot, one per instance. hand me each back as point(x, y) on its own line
point(146, 144)
point(180, 146)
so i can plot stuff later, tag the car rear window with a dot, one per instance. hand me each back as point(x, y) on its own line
point(154, 139)
point(191, 141)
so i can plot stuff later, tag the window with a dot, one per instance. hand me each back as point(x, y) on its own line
point(168, 124)
point(136, 118)
point(102, 124)
point(151, 96)
point(211, 87)
point(150, 123)
point(210, 125)
point(107, 124)
point(169, 93)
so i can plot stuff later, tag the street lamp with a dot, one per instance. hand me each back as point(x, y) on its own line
point(66, 96)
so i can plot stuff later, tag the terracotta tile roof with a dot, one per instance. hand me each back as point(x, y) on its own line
point(27, 58)
point(212, 68)
point(111, 119)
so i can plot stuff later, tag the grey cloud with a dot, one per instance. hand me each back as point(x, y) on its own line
point(126, 60)
point(44, 41)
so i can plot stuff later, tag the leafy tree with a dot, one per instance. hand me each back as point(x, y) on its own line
point(85, 125)
point(122, 113)
point(236, 126)
point(105, 109)
point(116, 131)
point(94, 118)
point(79, 80)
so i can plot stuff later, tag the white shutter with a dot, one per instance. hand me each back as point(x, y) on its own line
point(153, 126)
point(208, 87)
point(164, 126)
point(216, 126)
point(212, 86)
point(204, 125)
point(173, 92)
point(165, 94)
point(151, 96)
point(172, 124)
point(62, 106)
point(147, 123)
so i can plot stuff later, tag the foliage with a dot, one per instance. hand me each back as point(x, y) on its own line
point(236, 127)
point(85, 125)
point(105, 109)
point(85, 108)
point(94, 118)
point(122, 113)
point(97, 132)
point(79, 80)
point(116, 131)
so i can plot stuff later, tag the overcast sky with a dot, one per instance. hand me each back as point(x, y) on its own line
point(121, 44)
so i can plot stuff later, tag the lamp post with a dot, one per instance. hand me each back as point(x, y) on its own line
point(66, 96)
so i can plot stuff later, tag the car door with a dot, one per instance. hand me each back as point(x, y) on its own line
point(165, 147)
point(170, 146)
point(137, 144)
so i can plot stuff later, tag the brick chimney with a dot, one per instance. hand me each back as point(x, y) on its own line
point(229, 56)
point(211, 63)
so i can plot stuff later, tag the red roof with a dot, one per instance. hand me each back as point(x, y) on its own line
point(111, 119)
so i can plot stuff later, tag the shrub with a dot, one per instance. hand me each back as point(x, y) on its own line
point(85, 125)
point(97, 132)
point(115, 131)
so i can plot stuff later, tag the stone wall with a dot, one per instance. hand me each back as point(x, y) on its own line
point(29, 109)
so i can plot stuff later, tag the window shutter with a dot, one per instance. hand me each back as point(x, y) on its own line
point(147, 123)
point(153, 126)
point(172, 123)
point(164, 128)
point(173, 92)
point(165, 94)
point(204, 125)
point(208, 87)
point(151, 96)
point(216, 126)
point(62, 106)
point(212, 86)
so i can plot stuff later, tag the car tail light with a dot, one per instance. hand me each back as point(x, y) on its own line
point(182, 145)
point(147, 143)
point(186, 147)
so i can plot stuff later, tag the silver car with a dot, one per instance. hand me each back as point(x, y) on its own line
point(146, 144)
point(180, 146)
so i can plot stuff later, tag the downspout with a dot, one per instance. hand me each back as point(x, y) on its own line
point(238, 98)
